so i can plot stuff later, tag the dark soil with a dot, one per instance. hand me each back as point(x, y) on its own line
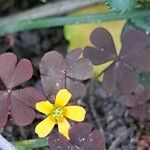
point(107, 113)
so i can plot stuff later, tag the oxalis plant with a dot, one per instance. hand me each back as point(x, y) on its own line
point(120, 74)
point(57, 110)
point(63, 80)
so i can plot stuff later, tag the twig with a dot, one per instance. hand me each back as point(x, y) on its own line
point(49, 9)
point(5, 145)
point(114, 144)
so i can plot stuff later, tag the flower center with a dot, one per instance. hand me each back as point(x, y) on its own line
point(57, 112)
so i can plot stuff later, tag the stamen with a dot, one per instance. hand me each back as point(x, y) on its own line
point(57, 112)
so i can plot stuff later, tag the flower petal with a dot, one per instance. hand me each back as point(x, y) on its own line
point(76, 113)
point(63, 127)
point(44, 107)
point(45, 127)
point(62, 98)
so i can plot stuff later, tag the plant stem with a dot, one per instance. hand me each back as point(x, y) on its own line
point(5, 145)
point(65, 20)
point(49, 9)
point(31, 144)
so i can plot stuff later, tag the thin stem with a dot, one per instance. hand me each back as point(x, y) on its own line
point(65, 20)
point(49, 9)
point(5, 145)
point(31, 144)
point(106, 68)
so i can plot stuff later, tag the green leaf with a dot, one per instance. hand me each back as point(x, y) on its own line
point(31, 144)
point(121, 5)
point(144, 78)
point(143, 4)
point(66, 20)
point(142, 23)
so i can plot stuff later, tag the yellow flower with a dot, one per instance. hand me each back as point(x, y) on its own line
point(57, 114)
